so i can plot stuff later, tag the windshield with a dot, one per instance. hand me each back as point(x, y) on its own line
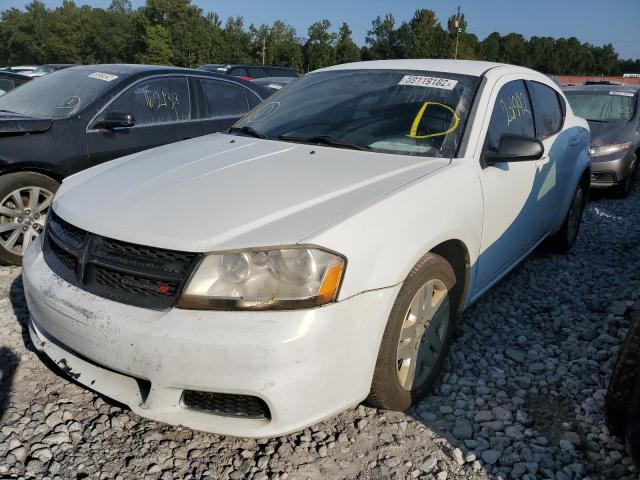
point(60, 94)
point(391, 111)
point(603, 107)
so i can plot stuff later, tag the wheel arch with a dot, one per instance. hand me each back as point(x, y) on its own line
point(456, 253)
point(35, 168)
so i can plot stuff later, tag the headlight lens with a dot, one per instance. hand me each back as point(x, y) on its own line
point(287, 278)
point(608, 149)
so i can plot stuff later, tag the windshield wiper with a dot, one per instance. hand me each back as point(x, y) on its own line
point(325, 140)
point(249, 131)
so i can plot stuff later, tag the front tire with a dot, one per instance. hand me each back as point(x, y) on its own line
point(417, 336)
point(25, 200)
point(562, 241)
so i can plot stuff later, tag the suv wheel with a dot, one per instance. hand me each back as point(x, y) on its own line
point(25, 200)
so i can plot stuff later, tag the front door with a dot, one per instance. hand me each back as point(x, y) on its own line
point(513, 218)
point(161, 108)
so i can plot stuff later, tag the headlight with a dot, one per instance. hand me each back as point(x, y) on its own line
point(608, 149)
point(287, 278)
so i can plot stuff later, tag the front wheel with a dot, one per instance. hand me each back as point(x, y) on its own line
point(417, 336)
point(25, 200)
point(563, 239)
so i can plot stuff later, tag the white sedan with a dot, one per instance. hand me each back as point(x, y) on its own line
point(316, 255)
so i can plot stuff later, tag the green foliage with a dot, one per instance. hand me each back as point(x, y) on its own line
point(178, 32)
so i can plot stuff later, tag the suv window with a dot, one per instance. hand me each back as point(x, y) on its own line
point(511, 114)
point(256, 72)
point(224, 99)
point(160, 100)
point(546, 109)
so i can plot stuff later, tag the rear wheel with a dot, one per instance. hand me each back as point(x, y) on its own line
point(563, 239)
point(25, 200)
point(417, 336)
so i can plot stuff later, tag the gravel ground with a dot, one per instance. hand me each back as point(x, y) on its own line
point(522, 396)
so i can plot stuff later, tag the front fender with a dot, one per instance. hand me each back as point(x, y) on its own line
point(384, 241)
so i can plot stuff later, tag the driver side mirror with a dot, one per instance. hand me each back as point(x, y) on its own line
point(515, 148)
point(117, 120)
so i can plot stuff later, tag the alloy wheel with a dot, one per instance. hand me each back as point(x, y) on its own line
point(23, 215)
point(423, 334)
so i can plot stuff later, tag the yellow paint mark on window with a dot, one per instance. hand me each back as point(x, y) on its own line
point(416, 122)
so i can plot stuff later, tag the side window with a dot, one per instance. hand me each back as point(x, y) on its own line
point(238, 72)
point(156, 101)
point(511, 114)
point(256, 72)
point(546, 109)
point(224, 99)
point(254, 101)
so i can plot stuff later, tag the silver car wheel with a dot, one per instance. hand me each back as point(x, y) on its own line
point(423, 334)
point(23, 215)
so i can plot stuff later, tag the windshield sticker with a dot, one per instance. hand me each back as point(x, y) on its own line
point(69, 102)
point(413, 133)
point(274, 86)
point(265, 112)
point(107, 77)
point(622, 94)
point(430, 82)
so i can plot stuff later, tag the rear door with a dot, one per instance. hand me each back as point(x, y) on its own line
point(224, 103)
point(557, 164)
point(161, 108)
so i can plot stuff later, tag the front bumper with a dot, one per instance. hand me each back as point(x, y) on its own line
point(609, 171)
point(306, 365)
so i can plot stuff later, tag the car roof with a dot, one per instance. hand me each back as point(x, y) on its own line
point(133, 70)
point(241, 65)
point(465, 67)
point(19, 76)
point(602, 88)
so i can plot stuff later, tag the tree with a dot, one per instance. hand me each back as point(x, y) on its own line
point(320, 46)
point(123, 7)
point(346, 49)
point(157, 46)
point(381, 38)
point(428, 39)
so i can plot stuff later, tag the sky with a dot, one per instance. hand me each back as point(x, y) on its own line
point(594, 21)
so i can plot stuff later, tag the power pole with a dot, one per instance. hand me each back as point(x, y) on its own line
point(457, 25)
point(264, 49)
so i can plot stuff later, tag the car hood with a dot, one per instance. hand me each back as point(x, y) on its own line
point(19, 124)
point(607, 133)
point(221, 192)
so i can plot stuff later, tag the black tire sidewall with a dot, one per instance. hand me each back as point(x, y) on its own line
point(390, 394)
point(14, 181)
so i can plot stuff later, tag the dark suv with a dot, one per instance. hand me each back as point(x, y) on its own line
point(622, 407)
point(249, 72)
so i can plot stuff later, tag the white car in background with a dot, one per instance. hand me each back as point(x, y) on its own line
point(317, 255)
